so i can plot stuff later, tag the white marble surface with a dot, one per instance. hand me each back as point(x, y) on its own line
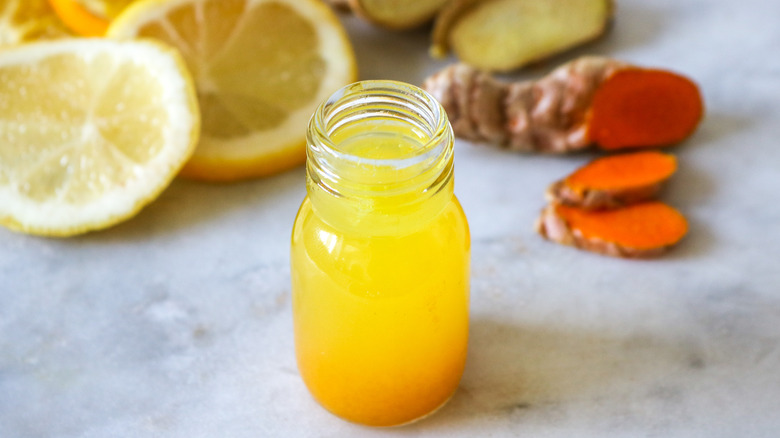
point(177, 323)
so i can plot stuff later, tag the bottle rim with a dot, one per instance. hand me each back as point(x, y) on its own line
point(426, 113)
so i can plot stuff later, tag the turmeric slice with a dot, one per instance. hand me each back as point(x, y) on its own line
point(614, 181)
point(638, 231)
point(577, 106)
point(641, 107)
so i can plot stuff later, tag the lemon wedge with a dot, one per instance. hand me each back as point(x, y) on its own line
point(90, 132)
point(23, 21)
point(261, 67)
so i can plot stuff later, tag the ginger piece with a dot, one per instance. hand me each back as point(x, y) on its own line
point(503, 35)
point(340, 5)
point(614, 181)
point(445, 19)
point(572, 108)
point(396, 14)
point(638, 231)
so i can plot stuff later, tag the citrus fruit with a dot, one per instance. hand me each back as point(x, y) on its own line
point(88, 17)
point(22, 21)
point(261, 68)
point(105, 8)
point(92, 130)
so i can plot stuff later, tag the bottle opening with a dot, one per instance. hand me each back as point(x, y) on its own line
point(377, 133)
point(379, 153)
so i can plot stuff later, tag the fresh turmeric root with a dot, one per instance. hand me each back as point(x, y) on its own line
point(614, 181)
point(589, 101)
point(638, 231)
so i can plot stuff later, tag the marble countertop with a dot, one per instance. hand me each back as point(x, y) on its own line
point(177, 323)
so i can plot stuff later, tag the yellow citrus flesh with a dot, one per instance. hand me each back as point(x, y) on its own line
point(23, 21)
point(261, 67)
point(92, 130)
point(108, 9)
point(88, 17)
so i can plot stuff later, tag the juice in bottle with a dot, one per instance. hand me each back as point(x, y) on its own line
point(380, 257)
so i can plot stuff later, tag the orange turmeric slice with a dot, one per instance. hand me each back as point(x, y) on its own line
point(637, 231)
point(615, 181)
point(644, 107)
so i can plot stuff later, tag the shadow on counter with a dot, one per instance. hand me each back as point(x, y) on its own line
point(543, 376)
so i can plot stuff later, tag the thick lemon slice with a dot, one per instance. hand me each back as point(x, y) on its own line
point(261, 67)
point(92, 130)
point(22, 21)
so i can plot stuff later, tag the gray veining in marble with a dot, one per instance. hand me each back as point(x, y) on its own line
point(177, 323)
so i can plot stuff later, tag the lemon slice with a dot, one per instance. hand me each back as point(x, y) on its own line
point(22, 21)
point(88, 17)
point(261, 67)
point(92, 130)
point(108, 9)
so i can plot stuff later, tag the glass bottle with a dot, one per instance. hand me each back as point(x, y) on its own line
point(380, 257)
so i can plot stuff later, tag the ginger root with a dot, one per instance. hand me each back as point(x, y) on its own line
point(503, 35)
point(495, 35)
point(393, 14)
point(589, 101)
point(638, 231)
point(614, 181)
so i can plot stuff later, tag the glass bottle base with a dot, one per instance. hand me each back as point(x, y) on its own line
point(401, 424)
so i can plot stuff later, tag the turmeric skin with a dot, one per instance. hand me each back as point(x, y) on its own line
point(589, 101)
point(638, 231)
point(614, 181)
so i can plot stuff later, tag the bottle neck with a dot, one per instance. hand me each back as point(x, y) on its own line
point(379, 158)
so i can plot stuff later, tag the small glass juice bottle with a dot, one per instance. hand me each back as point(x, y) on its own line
point(380, 257)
